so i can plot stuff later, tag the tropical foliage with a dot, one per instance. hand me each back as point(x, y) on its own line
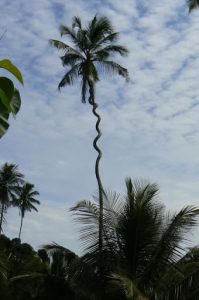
point(10, 100)
point(142, 245)
point(15, 192)
point(10, 180)
point(25, 200)
point(18, 259)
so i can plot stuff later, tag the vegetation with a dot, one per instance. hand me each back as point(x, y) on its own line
point(94, 45)
point(25, 200)
point(10, 100)
point(14, 192)
point(133, 249)
point(193, 4)
point(10, 179)
point(143, 254)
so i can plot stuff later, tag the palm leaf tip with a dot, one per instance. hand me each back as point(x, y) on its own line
point(77, 22)
point(192, 4)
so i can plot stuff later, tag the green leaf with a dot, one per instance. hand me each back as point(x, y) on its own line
point(3, 124)
point(8, 65)
point(7, 86)
point(5, 100)
point(15, 102)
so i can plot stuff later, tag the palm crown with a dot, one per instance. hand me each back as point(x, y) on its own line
point(93, 46)
point(144, 246)
point(10, 179)
point(25, 200)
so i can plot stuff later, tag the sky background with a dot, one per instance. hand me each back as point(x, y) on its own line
point(150, 126)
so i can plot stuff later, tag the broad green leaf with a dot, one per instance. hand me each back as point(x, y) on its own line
point(8, 65)
point(15, 102)
point(7, 86)
point(5, 100)
point(3, 124)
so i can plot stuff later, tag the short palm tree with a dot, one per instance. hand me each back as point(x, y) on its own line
point(10, 179)
point(26, 201)
point(144, 248)
point(193, 4)
point(90, 54)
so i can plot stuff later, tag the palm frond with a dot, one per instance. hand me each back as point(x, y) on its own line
point(77, 22)
point(98, 28)
point(192, 4)
point(107, 51)
point(67, 49)
point(58, 44)
point(112, 37)
point(70, 76)
point(141, 192)
point(70, 59)
point(87, 213)
point(169, 248)
point(129, 286)
point(114, 68)
point(65, 30)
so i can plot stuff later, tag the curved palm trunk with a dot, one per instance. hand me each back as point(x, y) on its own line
point(20, 226)
point(1, 218)
point(100, 187)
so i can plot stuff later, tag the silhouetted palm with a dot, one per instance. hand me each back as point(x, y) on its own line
point(143, 247)
point(193, 4)
point(25, 201)
point(92, 49)
point(10, 179)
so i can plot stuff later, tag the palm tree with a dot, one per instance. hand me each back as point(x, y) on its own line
point(144, 248)
point(192, 4)
point(25, 201)
point(92, 48)
point(10, 179)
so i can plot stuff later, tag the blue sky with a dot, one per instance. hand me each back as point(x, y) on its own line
point(150, 125)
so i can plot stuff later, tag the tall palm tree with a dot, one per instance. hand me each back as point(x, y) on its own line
point(26, 201)
point(193, 4)
point(10, 179)
point(92, 49)
point(144, 247)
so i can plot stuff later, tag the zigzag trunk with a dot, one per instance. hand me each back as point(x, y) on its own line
point(100, 187)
